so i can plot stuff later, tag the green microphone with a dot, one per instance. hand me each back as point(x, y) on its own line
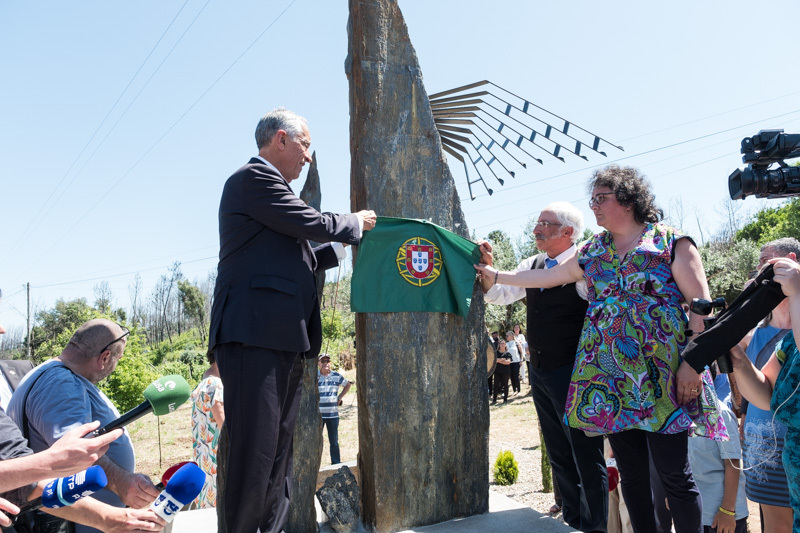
point(162, 396)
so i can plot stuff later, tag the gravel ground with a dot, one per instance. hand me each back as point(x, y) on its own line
point(513, 427)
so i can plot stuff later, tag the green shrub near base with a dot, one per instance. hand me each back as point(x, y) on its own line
point(506, 469)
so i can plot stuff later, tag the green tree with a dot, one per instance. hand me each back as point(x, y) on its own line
point(56, 326)
point(194, 306)
point(727, 266)
point(503, 317)
point(773, 223)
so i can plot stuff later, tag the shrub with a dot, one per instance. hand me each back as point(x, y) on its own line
point(506, 469)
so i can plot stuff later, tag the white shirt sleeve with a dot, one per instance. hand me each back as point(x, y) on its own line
point(506, 294)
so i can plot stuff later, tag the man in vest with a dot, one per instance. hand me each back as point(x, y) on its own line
point(555, 320)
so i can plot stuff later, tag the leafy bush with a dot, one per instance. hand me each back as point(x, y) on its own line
point(506, 469)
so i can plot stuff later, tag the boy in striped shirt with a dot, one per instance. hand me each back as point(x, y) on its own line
point(328, 383)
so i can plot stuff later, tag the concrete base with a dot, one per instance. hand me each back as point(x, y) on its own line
point(504, 515)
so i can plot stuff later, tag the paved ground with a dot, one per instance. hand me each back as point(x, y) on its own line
point(504, 515)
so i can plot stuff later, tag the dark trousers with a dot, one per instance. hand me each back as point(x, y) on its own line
point(515, 376)
point(262, 398)
point(578, 463)
point(500, 384)
point(332, 425)
point(671, 459)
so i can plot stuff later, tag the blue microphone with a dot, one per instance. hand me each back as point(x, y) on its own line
point(65, 491)
point(182, 488)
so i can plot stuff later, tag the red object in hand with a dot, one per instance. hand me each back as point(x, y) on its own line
point(165, 477)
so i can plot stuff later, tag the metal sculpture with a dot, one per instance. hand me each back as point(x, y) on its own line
point(483, 128)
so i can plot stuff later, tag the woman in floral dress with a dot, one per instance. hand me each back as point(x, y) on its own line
point(639, 272)
point(208, 415)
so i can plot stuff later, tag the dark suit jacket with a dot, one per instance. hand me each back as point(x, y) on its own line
point(266, 294)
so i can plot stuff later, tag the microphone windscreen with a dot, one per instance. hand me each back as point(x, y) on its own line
point(182, 488)
point(167, 393)
point(67, 490)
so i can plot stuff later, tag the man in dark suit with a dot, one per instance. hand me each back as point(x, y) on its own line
point(555, 320)
point(265, 318)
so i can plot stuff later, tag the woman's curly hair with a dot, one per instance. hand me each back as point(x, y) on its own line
point(631, 189)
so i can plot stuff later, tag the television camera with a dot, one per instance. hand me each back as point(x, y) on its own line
point(761, 151)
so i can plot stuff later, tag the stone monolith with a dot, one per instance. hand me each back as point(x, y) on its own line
point(308, 431)
point(421, 378)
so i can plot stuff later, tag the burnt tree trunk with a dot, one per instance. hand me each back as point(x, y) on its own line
point(423, 406)
point(308, 431)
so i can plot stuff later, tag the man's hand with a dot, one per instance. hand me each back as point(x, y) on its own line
point(72, 453)
point(368, 217)
point(124, 520)
point(6, 505)
point(689, 383)
point(137, 491)
point(787, 273)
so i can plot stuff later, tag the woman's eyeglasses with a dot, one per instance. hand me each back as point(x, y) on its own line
point(599, 198)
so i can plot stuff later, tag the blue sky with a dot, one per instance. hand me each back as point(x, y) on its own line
point(86, 200)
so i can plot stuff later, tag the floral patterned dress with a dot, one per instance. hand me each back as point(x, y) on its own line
point(205, 433)
point(629, 350)
point(786, 406)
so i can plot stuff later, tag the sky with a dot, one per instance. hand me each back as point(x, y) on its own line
point(120, 122)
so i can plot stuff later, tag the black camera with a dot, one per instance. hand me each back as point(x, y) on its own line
point(761, 151)
point(705, 307)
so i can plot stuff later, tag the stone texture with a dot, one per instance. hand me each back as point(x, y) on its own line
point(308, 430)
point(423, 403)
point(339, 499)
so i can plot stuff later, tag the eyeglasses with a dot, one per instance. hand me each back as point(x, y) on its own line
point(546, 224)
point(125, 334)
point(599, 198)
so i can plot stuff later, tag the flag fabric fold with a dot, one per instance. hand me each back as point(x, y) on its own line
point(413, 265)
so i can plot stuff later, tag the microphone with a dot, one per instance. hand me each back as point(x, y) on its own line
point(182, 488)
point(65, 491)
point(162, 396)
point(169, 472)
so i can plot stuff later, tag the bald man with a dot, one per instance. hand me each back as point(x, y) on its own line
point(62, 394)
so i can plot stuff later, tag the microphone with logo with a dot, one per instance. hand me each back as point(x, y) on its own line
point(182, 488)
point(65, 491)
point(162, 396)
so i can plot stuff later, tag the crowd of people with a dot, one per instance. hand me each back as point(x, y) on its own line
point(625, 293)
point(607, 322)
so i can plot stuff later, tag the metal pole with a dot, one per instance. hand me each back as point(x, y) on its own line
point(28, 285)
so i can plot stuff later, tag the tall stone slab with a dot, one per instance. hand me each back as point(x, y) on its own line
point(308, 431)
point(423, 403)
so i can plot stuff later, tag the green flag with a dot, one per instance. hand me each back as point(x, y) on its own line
point(413, 265)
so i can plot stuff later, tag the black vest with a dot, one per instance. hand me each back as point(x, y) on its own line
point(555, 321)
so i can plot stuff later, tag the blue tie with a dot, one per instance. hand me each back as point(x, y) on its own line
point(549, 263)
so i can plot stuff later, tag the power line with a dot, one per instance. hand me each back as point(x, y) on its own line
point(158, 141)
point(36, 219)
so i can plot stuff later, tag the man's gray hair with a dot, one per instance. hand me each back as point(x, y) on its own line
point(278, 119)
point(568, 216)
point(783, 247)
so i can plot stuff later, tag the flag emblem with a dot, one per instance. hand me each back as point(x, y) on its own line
point(419, 261)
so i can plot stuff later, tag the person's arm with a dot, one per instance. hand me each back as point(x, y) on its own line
point(755, 385)
point(567, 272)
point(345, 389)
point(68, 455)
point(135, 490)
point(218, 407)
point(500, 294)
point(724, 522)
point(687, 269)
point(96, 514)
point(787, 273)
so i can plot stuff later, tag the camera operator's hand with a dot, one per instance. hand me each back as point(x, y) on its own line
point(689, 383)
point(787, 273)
